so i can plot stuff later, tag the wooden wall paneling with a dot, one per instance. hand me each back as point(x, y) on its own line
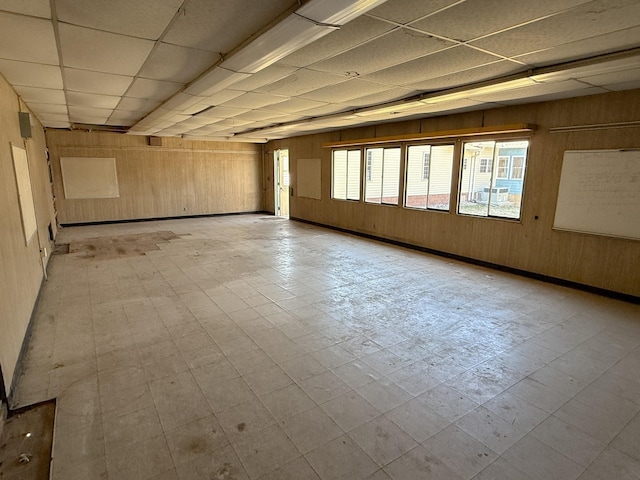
point(180, 178)
point(529, 244)
point(21, 271)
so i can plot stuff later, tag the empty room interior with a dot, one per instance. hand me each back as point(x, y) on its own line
point(322, 239)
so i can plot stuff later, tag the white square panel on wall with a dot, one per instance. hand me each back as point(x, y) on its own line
point(89, 177)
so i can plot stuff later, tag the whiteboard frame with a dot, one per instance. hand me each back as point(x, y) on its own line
point(618, 221)
point(25, 192)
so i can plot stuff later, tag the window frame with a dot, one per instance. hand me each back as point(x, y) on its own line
point(406, 186)
point(494, 174)
point(369, 174)
point(347, 151)
point(520, 167)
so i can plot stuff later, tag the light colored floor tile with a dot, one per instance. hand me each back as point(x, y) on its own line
point(287, 401)
point(140, 461)
point(265, 451)
point(629, 439)
point(310, 429)
point(460, 451)
point(194, 441)
point(613, 463)
point(420, 463)
point(130, 345)
point(417, 420)
point(221, 464)
point(350, 410)
point(488, 428)
point(447, 402)
point(341, 459)
point(383, 394)
point(540, 461)
point(356, 373)
point(383, 440)
point(178, 400)
point(299, 469)
point(568, 440)
point(324, 387)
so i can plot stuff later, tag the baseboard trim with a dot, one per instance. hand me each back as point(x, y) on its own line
point(155, 219)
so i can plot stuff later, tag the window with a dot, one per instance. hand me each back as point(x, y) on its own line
point(517, 167)
point(488, 193)
point(428, 177)
point(503, 167)
point(485, 165)
point(382, 185)
point(345, 184)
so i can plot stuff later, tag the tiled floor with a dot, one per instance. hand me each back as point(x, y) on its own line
point(258, 348)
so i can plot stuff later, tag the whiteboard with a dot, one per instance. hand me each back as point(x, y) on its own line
point(600, 193)
point(89, 177)
point(25, 195)
point(309, 179)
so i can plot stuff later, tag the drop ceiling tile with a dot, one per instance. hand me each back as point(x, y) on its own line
point(89, 115)
point(152, 89)
point(602, 44)
point(141, 18)
point(325, 110)
point(261, 115)
point(48, 108)
point(345, 91)
point(37, 47)
point(101, 51)
point(406, 11)
point(614, 78)
point(382, 97)
point(618, 87)
point(397, 47)
point(41, 95)
point(354, 33)
point(220, 97)
point(431, 66)
point(120, 122)
point(300, 82)
point(469, 76)
point(266, 76)
point(223, 112)
point(218, 26)
point(586, 21)
point(31, 74)
point(469, 20)
point(92, 100)
point(126, 116)
point(35, 8)
point(52, 117)
point(555, 96)
point(297, 104)
point(95, 82)
point(138, 104)
point(253, 100)
point(172, 63)
point(56, 124)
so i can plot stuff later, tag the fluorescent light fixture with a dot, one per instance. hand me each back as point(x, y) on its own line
point(336, 12)
point(482, 90)
point(291, 34)
point(214, 80)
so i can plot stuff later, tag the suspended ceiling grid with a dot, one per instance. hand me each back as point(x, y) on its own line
point(125, 64)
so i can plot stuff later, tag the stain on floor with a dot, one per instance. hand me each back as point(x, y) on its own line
point(103, 248)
